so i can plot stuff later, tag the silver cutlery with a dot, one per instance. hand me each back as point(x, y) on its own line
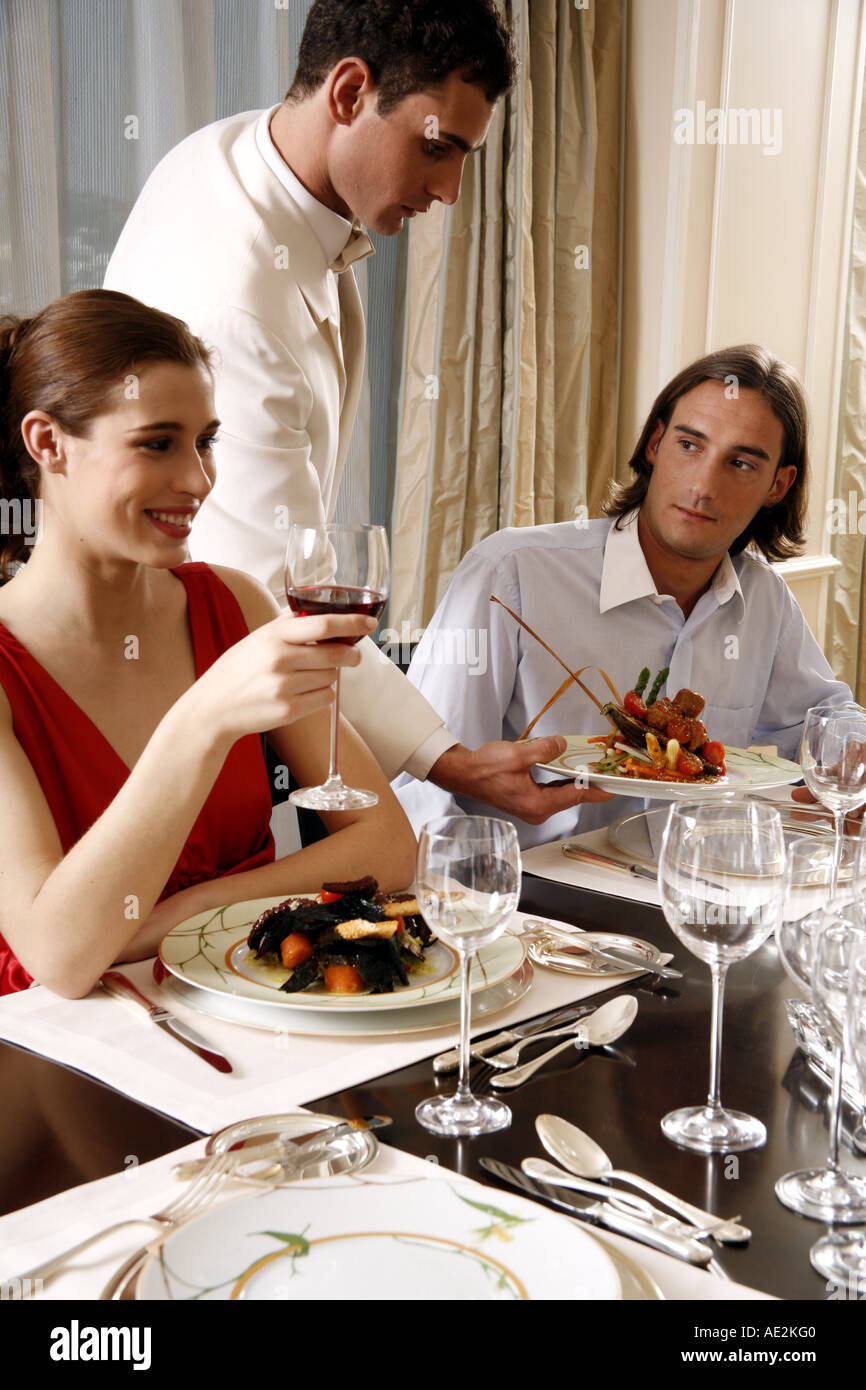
point(573, 944)
point(583, 1157)
point(593, 857)
point(543, 1171)
point(117, 985)
point(503, 1061)
point(600, 1213)
point(449, 1061)
point(290, 1156)
point(188, 1204)
point(604, 1026)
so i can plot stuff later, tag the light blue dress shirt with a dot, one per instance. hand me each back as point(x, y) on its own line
point(586, 589)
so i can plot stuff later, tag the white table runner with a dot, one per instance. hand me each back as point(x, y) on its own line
point(273, 1072)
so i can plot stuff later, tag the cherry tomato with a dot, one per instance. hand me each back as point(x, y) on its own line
point(400, 925)
point(634, 705)
point(326, 897)
point(714, 753)
point(688, 764)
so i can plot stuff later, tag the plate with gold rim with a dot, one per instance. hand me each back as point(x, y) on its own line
point(209, 951)
point(363, 1240)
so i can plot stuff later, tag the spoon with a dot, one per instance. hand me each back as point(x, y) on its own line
point(543, 1171)
point(604, 1026)
point(582, 1156)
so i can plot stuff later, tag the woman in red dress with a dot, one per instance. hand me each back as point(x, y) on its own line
point(135, 685)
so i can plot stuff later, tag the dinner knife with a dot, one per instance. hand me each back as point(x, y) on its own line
point(290, 1155)
point(121, 988)
point(578, 852)
point(695, 1252)
point(572, 1013)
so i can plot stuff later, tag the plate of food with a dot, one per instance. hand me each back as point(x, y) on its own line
point(661, 749)
point(347, 948)
point(443, 1240)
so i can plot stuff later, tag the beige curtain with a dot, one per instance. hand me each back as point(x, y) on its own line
point(847, 647)
point(506, 409)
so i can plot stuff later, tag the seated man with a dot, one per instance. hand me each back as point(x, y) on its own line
point(678, 578)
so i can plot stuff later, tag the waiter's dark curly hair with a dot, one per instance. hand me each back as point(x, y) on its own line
point(408, 45)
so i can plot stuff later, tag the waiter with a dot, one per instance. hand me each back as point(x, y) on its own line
point(248, 230)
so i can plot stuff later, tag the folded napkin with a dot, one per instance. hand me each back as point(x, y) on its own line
point(34, 1234)
point(271, 1071)
point(548, 861)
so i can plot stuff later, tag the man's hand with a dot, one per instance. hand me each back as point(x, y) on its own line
point(498, 773)
point(853, 819)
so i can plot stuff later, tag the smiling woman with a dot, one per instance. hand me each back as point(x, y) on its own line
point(134, 685)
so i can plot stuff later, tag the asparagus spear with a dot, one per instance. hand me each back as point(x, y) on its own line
point(640, 683)
point(657, 685)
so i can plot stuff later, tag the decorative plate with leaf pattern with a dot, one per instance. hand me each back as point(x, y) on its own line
point(359, 1239)
point(210, 951)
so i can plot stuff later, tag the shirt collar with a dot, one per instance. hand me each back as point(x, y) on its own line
point(625, 574)
point(333, 232)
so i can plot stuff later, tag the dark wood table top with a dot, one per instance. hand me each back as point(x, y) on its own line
point(62, 1128)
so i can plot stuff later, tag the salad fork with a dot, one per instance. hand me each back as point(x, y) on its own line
point(188, 1204)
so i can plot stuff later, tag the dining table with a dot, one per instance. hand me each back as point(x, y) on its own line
point(63, 1128)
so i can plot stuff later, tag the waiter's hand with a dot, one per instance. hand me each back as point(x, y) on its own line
point(499, 774)
point(853, 820)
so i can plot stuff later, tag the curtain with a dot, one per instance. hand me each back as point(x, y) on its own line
point(847, 648)
point(506, 410)
point(95, 92)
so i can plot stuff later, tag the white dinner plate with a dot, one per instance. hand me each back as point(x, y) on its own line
point(350, 1240)
point(210, 952)
point(746, 772)
point(379, 1023)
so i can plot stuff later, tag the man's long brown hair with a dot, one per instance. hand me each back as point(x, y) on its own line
point(777, 531)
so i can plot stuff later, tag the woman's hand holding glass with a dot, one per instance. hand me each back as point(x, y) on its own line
point(281, 672)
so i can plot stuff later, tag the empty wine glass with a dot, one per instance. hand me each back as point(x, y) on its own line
point(833, 759)
point(336, 569)
point(832, 1195)
point(467, 884)
point(721, 882)
point(819, 1193)
point(841, 1255)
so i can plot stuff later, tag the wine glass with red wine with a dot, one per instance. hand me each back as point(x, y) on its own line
point(336, 569)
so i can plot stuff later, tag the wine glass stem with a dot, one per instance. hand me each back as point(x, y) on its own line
point(718, 973)
point(839, 825)
point(463, 1091)
point(835, 1110)
point(333, 774)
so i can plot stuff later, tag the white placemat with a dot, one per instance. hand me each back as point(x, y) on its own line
point(548, 861)
point(34, 1234)
point(271, 1071)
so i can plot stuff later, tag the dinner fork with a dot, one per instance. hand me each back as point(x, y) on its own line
point(188, 1204)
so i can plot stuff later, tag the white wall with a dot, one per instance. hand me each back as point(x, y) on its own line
point(726, 244)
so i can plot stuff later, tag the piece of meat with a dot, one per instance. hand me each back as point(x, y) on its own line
point(689, 703)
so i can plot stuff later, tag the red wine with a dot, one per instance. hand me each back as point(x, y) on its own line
point(311, 600)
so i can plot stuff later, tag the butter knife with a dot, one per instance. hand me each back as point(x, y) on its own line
point(290, 1155)
point(593, 857)
point(693, 1251)
point(121, 988)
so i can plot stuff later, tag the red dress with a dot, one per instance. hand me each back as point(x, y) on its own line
point(80, 773)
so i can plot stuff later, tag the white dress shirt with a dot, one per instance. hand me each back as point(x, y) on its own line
point(587, 590)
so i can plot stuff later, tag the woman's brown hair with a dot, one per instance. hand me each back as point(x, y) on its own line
point(777, 531)
point(65, 361)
